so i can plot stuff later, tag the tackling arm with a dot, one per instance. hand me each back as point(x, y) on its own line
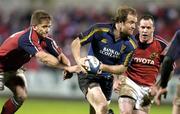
point(52, 61)
point(63, 59)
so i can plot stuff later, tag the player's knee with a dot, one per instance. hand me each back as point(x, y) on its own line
point(23, 96)
point(103, 107)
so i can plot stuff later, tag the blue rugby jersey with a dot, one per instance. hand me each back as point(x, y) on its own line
point(104, 46)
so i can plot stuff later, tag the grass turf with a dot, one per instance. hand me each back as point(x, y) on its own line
point(59, 106)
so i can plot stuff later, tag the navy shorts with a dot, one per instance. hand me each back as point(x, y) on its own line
point(106, 83)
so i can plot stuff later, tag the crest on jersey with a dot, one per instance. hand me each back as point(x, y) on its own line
point(123, 47)
point(153, 55)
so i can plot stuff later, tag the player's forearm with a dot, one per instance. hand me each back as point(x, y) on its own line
point(114, 69)
point(167, 67)
point(75, 47)
point(64, 60)
point(49, 60)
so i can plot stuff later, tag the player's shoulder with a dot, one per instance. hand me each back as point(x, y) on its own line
point(19, 33)
point(160, 39)
point(49, 39)
point(132, 41)
point(102, 26)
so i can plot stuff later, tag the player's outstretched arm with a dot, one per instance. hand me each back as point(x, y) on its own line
point(63, 59)
point(167, 67)
point(52, 61)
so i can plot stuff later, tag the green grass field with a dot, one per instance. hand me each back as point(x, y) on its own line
point(59, 106)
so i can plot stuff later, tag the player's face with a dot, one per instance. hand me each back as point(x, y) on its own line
point(129, 25)
point(146, 30)
point(43, 28)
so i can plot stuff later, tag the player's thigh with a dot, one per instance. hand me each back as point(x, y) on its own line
point(15, 78)
point(84, 81)
point(89, 85)
point(95, 94)
point(127, 88)
point(126, 105)
point(106, 86)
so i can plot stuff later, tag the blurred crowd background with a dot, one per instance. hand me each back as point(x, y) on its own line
point(70, 17)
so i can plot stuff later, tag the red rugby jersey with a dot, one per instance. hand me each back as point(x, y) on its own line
point(20, 47)
point(146, 62)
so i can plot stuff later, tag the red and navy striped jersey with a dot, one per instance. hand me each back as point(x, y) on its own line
point(105, 47)
point(20, 47)
point(146, 62)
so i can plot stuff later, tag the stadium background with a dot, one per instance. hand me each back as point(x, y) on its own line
point(48, 93)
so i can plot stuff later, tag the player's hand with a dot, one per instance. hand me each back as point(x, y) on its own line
point(67, 75)
point(81, 64)
point(154, 89)
point(116, 86)
point(161, 91)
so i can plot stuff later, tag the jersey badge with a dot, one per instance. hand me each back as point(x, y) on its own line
point(123, 47)
point(153, 55)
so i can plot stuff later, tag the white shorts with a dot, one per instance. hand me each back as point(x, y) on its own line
point(137, 92)
point(5, 76)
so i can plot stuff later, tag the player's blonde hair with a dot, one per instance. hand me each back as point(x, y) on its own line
point(38, 16)
point(122, 13)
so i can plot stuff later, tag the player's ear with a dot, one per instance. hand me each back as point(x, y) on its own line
point(118, 25)
point(34, 27)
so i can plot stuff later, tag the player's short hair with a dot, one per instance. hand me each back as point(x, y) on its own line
point(147, 17)
point(38, 16)
point(122, 13)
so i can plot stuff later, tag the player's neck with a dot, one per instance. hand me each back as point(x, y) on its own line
point(116, 34)
point(150, 40)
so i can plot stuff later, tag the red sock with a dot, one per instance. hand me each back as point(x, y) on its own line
point(9, 107)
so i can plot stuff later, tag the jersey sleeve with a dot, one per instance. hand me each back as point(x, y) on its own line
point(88, 35)
point(29, 43)
point(163, 46)
point(174, 50)
point(52, 47)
